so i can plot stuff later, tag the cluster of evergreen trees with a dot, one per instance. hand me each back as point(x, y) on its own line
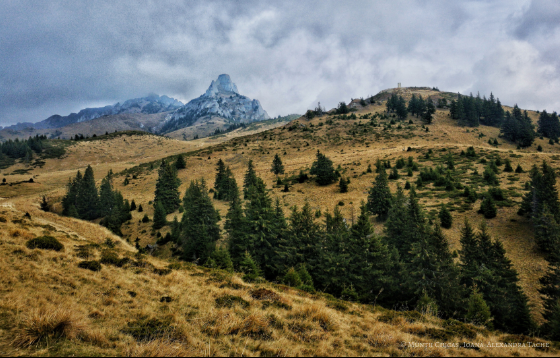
point(517, 128)
point(410, 265)
point(84, 200)
point(549, 125)
point(225, 186)
point(472, 111)
point(397, 104)
point(541, 204)
point(424, 109)
point(17, 149)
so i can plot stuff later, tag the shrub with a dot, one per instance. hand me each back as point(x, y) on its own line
point(45, 243)
point(228, 301)
point(90, 265)
point(539, 148)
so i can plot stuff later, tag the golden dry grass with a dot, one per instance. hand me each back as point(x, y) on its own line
point(33, 278)
point(48, 306)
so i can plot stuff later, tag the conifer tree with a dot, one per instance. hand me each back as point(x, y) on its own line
point(200, 229)
point(379, 198)
point(550, 292)
point(140, 208)
point(343, 185)
point(277, 166)
point(478, 312)
point(547, 231)
point(488, 207)
point(180, 163)
point(235, 227)
point(250, 268)
point(87, 200)
point(133, 205)
point(160, 216)
point(445, 217)
point(323, 169)
point(106, 195)
point(250, 178)
point(45, 205)
point(508, 168)
point(167, 188)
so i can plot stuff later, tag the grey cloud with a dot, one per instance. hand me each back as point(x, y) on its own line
point(60, 56)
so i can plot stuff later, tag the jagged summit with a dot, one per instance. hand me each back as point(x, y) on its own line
point(222, 99)
point(223, 85)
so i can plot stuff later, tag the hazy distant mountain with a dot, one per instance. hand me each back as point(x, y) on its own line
point(222, 99)
point(147, 105)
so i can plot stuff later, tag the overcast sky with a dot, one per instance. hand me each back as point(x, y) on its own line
point(58, 57)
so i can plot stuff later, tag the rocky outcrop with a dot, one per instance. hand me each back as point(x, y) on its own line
point(222, 99)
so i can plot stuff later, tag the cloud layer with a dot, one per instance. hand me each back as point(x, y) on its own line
point(61, 56)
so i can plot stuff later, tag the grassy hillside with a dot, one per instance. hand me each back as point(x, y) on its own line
point(195, 323)
point(138, 305)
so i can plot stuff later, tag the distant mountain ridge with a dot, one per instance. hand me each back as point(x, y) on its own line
point(222, 99)
point(151, 104)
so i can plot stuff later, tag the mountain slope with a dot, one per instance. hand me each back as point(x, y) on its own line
point(223, 100)
point(138, 305)
point(147, 105)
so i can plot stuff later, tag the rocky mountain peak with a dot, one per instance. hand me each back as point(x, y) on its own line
point(223, 85)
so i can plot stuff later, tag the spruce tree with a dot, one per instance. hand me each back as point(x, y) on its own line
point(445, 217)
point(160, 216)
point(45, 205)
point(343, 185)
point(550, 292)
point(323, 169)
point(133, 205)
point(250, 268)
point(106, 195)
point(250, 178)
point(200, 229)
point(379, 198)
point(478, 312)
point(167, 188)
point(547, 231)
point(277, 166)
point(87, 200)
point(488, 207)
point(235, 227)
point(180, 163)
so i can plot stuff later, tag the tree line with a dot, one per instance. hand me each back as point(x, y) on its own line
point(17, 149)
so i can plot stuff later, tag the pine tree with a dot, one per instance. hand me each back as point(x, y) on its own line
point(167, 188)
point(550, 292)
point(200, 229)
point(343, 185)
point(235, 227)
point(379, 198)
point(323, 169)
point(87, 200)
point(488, 207)
point(45, 205)
point(250, 178)
point(547, 231)
point(250, 268)
point(277, 166)
point(508, 168)
point(180, 163)
point(106, 195)
point(478, 312)
point(445, 217)
point(160, 216)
